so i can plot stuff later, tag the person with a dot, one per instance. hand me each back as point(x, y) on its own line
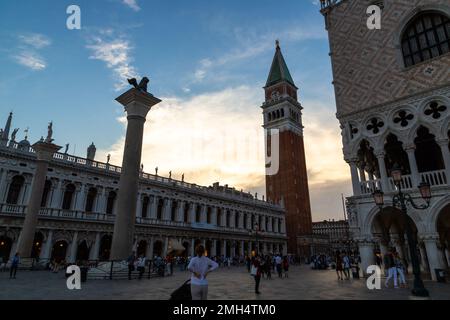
point(278, 266)
point(339, 266)
point(285, 267)
point(200, 266)
point(346, 266)
point(140, 266)
point(399, 268)
point(14, 265)
point(390, 266)
point(130, 261)
point(256, 273)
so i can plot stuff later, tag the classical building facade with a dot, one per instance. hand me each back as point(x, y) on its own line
point(76, 219)
point(288, 182)
point(392, 89)
point(337, 232)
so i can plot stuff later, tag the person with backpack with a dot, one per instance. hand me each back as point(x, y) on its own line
point(200, 266)
point(14, 265)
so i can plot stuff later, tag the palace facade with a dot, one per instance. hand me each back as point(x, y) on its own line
point(77, 214)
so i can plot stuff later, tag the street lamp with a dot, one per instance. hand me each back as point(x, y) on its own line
point(400, 200)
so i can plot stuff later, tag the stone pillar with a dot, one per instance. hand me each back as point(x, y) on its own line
point(214, 216)
point(137, 104)
point(167, 209)
point(139, 205)
point(232, 219)
point(446, 155)
point(95, 248)
point(269, 227)
point(73, 248)
point(180, 211)
point(203, 214)
point(47, 247)
point(192, 207)
point(14, 249)
point(433, 254)
point(3, 184)
point(102, 201)
point(44, 152)
point(383, 173)
point(413, 164)
point(242, 253)
point(57, 195)
point(249, 221)
point(355, 179)
point(81, 198)
point(241, 220)
point(153, 206)
point(149, 250)
point(367, 255)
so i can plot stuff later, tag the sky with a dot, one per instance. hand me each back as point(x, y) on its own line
point(207, 61)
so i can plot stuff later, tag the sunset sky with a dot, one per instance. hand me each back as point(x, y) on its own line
point(207, 61)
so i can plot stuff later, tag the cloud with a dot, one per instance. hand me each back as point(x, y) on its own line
point(116, 53)
point(217, 136)
point(27, 53)
point(132, 4)
point(35, 40)
point(30, 60)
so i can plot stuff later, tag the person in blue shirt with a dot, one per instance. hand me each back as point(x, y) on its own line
point(14, 265)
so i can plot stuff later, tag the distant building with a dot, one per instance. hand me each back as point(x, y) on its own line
point(336, 232)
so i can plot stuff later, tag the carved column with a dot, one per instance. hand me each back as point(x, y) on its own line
point(47, 247)
point(410, 150)
point(446, 155)
point(73, 248)
point(137, 104)
point(44, 152)
point(383, 173)
point(355, 179)
point(95, 248)
point(433, 254)
point(81, 198)
point(366, 252)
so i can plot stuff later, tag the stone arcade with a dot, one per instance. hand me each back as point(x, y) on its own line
point(393, 103)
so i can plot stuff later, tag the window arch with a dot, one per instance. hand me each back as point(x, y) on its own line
point(425, 37)
point(15, 189)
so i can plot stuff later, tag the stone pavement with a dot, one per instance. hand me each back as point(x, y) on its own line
point(227, 284)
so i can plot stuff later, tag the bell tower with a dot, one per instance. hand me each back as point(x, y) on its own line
point(289, 184)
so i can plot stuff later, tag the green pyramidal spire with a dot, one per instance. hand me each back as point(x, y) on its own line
point(279, 71)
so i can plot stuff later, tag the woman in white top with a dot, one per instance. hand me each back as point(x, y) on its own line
point(200, 266)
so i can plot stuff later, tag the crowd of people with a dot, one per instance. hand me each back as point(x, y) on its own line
point(395, 268)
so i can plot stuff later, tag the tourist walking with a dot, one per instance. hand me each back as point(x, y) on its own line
point(256, 273)
point(278, 262)
point(339, 266)
point(392, 270)
point(14, 265)
point(400, 269)
point(130, 261)
point(200, 266)
point(346, 266)
point(141, 265)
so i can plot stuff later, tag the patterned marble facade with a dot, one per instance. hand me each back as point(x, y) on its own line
point(76, 219)
point(392, 91)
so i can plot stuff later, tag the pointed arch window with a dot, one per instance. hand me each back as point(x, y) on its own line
point(426, 36)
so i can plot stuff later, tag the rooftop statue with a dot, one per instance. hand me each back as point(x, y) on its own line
point(13, 134)
point(49, 133)
point(142, 86)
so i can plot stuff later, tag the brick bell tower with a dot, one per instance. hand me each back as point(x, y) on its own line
point(282, 111)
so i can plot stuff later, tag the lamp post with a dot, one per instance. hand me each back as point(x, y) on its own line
point(400, 200)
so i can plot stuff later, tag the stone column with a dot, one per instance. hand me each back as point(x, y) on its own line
point(180, 211)
point(423, 257)
point(57, 195)
point(433, 254)
point(44, 152)
point(241, 220)
point(47, 247)
point(154, 206)
point(73, 248)
point(203, 214)
point(149, 250)
point(367, 255)
point(242, 248)
point(383, 173)
point(81, 198)
point(3, 184)
point(269, 227)
point(14, 248)
point(192, 207)
point(167, 209)
point(95, 248)
point(139, 205)
point(354, 174)
point(224, 248)
point(446, 155)
point(103, 199)
point(413, 164)
point(214, 216)
point(137, 104)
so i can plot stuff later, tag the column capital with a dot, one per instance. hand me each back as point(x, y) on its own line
point(442, 142)
point(429, 237)
point(137, 103)
point(44, 150)
point(379, 153)
point(411, 147)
